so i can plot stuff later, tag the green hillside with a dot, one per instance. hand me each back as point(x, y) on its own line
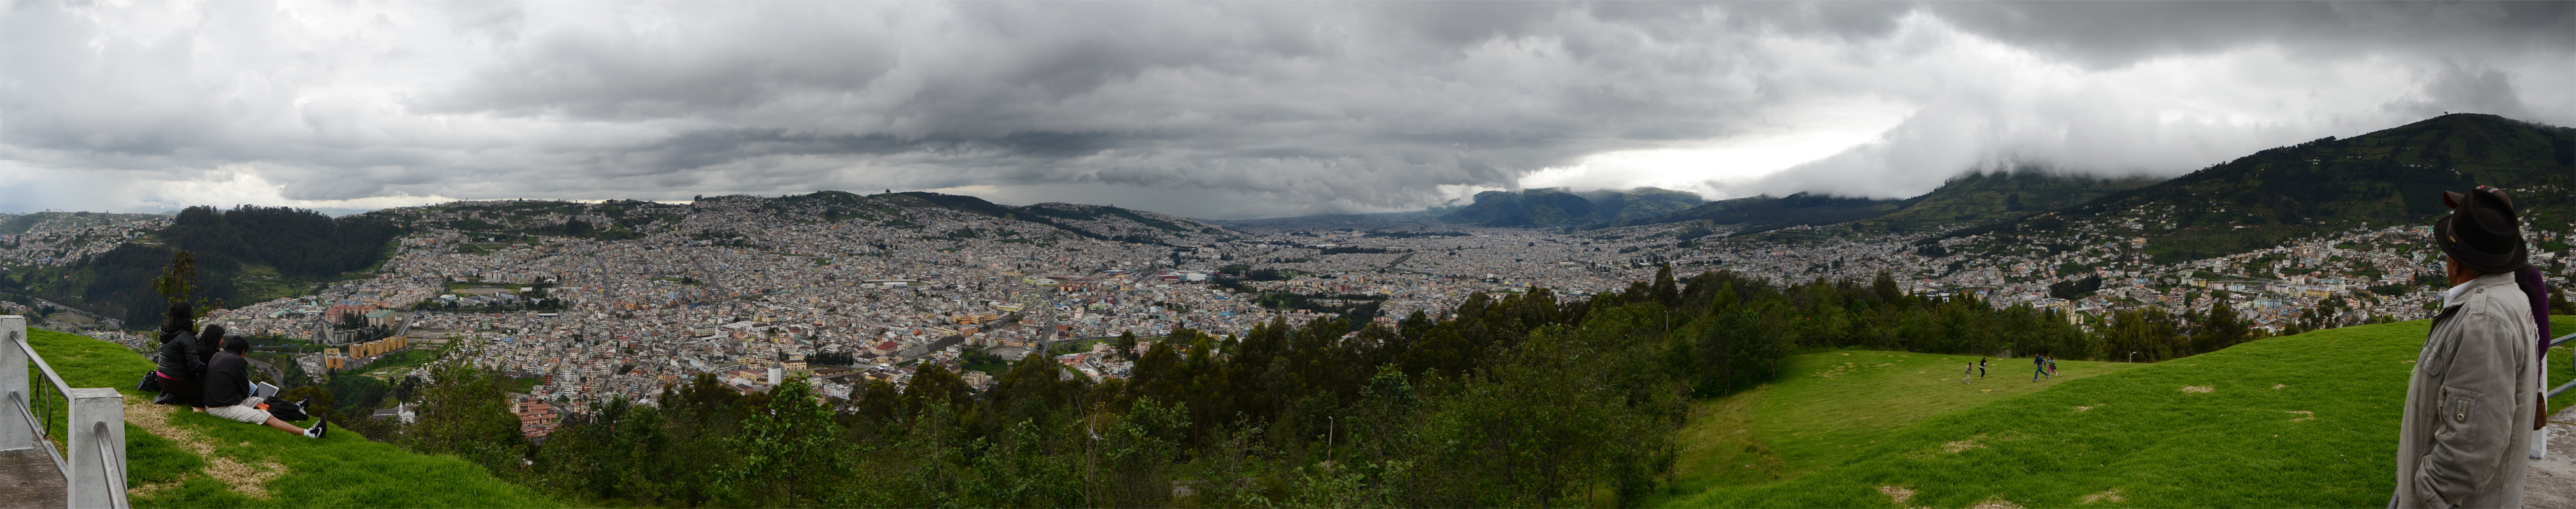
point(1969, 199)
point(1980, 197)
point(188, 459)
point(2297, 421)
point(2386, 178)
point(1639, 204)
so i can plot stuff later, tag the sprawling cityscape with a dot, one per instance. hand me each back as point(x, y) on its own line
point(742, 285)
point(1975, 254)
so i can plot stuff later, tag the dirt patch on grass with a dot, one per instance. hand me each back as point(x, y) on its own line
point(1962, 445)
point(2203, 389)
point(1900, 495)
point(2111, 495)
point(250, 480)
point(2303, 415)
point(2080, 408)
point(1995, 504)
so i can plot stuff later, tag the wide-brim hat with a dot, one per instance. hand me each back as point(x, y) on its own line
point(2482, 232)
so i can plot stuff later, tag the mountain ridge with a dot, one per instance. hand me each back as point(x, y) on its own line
point(1555, 206)
point(2390, 177)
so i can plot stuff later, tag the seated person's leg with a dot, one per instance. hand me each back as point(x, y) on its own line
point(248, 411)
point(282, 425)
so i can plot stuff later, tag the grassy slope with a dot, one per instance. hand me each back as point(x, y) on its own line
point(2135, 431)
point(1828, 405)
point(345, 470)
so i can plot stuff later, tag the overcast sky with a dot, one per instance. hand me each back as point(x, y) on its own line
point(1213, 110)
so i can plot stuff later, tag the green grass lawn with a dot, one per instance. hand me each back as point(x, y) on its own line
point(345, 470)
point(2304, 421)
point(1826, 405)
point(385, 365)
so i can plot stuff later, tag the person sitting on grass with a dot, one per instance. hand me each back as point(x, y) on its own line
point(182, 372)
point(228, 392)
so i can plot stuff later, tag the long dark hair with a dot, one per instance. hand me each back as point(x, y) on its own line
point(214, 335)
point(182, 317)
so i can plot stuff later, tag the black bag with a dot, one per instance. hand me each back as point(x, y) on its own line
point(151, 382)
point(284, 410)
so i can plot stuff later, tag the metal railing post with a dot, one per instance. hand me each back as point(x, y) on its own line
point(16, 394)
point(97, 449)
point(2540, 437)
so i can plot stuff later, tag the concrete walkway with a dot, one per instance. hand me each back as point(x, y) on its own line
point(2551, 481)
point(29, 478)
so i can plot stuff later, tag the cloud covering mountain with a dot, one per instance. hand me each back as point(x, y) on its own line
point(1220, 110)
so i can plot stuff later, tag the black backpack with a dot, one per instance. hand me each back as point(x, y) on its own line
point(285, 410)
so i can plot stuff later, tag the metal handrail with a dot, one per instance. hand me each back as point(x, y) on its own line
point(64, 450)
point(19, 339)
point(111, 466)
point(2545, 376)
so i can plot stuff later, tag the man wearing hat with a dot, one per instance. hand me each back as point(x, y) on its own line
point(2466, 424)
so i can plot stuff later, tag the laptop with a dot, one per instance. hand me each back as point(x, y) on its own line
point(264, 390)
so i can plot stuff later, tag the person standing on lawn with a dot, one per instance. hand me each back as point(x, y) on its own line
point(2462, 437)
point(1981, 367)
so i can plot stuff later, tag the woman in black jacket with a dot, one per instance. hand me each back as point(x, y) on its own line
point(181, 370)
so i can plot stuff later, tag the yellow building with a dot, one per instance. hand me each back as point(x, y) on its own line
point(379, 347)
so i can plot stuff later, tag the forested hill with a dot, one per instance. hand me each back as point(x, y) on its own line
point(273, 245)
point(1973, 198)
point(1982, 197)
point(2387, 178)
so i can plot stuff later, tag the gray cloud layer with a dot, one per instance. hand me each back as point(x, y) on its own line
point(1204, 109)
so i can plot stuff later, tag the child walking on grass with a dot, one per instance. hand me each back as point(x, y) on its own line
point(1970, 374)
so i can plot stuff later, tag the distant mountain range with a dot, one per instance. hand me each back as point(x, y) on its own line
point(1554, 207)
point(1967, 200)
point(2385, 178)
point(2392, 177)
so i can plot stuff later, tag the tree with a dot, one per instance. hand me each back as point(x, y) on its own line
point(178, 283)
point(466, 413)
point(790, 455)
point(2221, 329)
point(1665, 292)
point(1126, 345)
point(1884, 286)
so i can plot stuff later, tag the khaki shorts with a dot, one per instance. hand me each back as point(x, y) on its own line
point(248, 411)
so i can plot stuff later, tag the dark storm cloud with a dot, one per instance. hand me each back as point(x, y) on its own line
point(2474, 88)
point(2116, 33)
point(1212, 109)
